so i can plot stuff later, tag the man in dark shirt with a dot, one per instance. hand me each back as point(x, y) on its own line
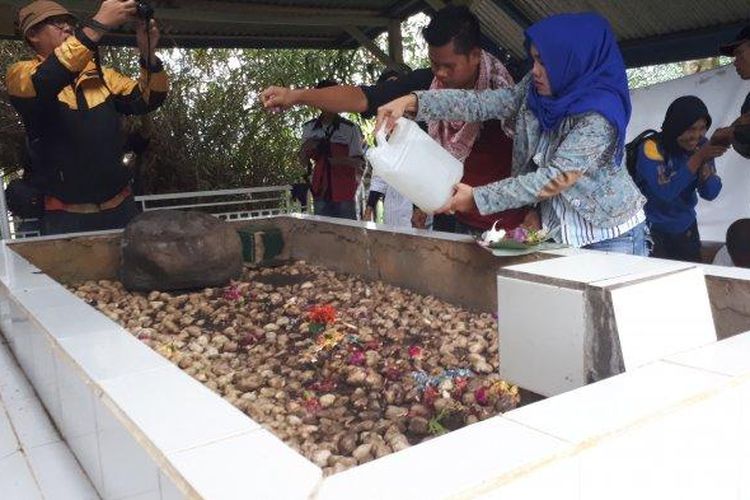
point(739, 48)
point(458, 63)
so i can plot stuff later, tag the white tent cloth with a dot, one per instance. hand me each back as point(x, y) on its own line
point(723, 92)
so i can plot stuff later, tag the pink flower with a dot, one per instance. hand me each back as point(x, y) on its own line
point(518, 234)
point(429, 396)
point(415, 352)
point(232, 293)
point(481, 396)
point(357, 358)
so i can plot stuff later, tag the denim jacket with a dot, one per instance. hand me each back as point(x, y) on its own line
point(576, 160)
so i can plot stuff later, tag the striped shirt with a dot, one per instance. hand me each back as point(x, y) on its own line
point(574, 230)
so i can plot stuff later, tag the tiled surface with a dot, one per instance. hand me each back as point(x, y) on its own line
point(616, 402)
point(730, 356)
point(16, 479)
point(743, 437)
point(175, 411)
point(459, 464)
point(8, 440)
point(597, 266)
point(168, 489)
point(111, 353)
point(42, 465)
point(559, 480)
point(127, 470)
point(58, 474)
point(662, 316)
point(77, 318)
point(541, 352)
point(254, 465)
point(692, 453)
point(40, 298)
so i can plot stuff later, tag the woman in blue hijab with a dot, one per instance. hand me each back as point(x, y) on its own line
point(568, 116)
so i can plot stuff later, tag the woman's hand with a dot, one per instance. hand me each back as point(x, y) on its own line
point(461, 201)
point(389, 113)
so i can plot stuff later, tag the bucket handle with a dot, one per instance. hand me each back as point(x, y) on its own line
point(380, 137)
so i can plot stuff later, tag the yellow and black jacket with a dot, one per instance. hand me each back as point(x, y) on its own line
point(73, 119)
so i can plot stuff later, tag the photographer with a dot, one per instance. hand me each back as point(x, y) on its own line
point(332, 151)
point(71, 108)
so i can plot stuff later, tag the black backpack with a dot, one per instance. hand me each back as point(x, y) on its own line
point(631, 151)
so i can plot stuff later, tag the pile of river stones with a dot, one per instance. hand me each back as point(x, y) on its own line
point(342, 369)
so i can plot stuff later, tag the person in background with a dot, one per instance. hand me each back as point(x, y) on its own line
point(332, 149)
point(397, 209)
point(739, 49)
point(71, 109)
point(458, 62)
point(569, 116)
point(670, 168)
point(736, 252)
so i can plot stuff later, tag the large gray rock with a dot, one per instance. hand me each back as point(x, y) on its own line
point(174, 250)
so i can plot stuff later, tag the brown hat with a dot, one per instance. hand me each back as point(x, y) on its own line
point(36, 12)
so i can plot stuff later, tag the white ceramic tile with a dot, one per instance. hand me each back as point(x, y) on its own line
point(127, 470)
point(616, 402)
point(150, 495)
point(112, 353)
point(42, 374)
point(174, 411)
point(24, 276)
point(86, 450)
point(168, 489)
point(253, 465)
point(691, 453)
point(543, 353)
point(77, 318)
point(598, 266)
point(730, 356)
point(16, 480)
point(40, 298)
point(743, 437)
point(8, 440)
point(560, 479)
point(58, 474)
point(662, 316)
point(33, 426)
point(76, 401)
point(22, 345)
point(13, 382)
point(458, 464)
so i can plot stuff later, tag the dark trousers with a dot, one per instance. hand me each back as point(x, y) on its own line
point(340, 209)
point(685, 246)
point(61, 222)
point(450, 224)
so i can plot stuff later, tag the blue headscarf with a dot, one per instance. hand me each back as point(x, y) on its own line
point(585, 70)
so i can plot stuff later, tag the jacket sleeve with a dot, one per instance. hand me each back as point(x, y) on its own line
point(586, 146)
point(472, 105)
point(142, 96)
point(656, 182)
point(711, 187)
point(43, 81)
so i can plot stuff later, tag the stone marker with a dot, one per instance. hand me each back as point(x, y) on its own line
point(174, 250)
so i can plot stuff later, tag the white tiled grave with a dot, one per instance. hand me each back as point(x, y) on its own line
point(113, 399)
point(598, 315)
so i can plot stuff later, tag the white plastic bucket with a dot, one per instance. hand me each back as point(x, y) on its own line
point(415, 165)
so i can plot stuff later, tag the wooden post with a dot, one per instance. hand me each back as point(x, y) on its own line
point(395, 44)
point(381, 56)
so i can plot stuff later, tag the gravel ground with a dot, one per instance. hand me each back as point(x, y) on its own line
point(342, 369)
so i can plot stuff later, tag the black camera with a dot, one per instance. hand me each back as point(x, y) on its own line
point(144, 10)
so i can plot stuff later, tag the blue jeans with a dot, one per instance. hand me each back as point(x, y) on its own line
point(633, 242)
